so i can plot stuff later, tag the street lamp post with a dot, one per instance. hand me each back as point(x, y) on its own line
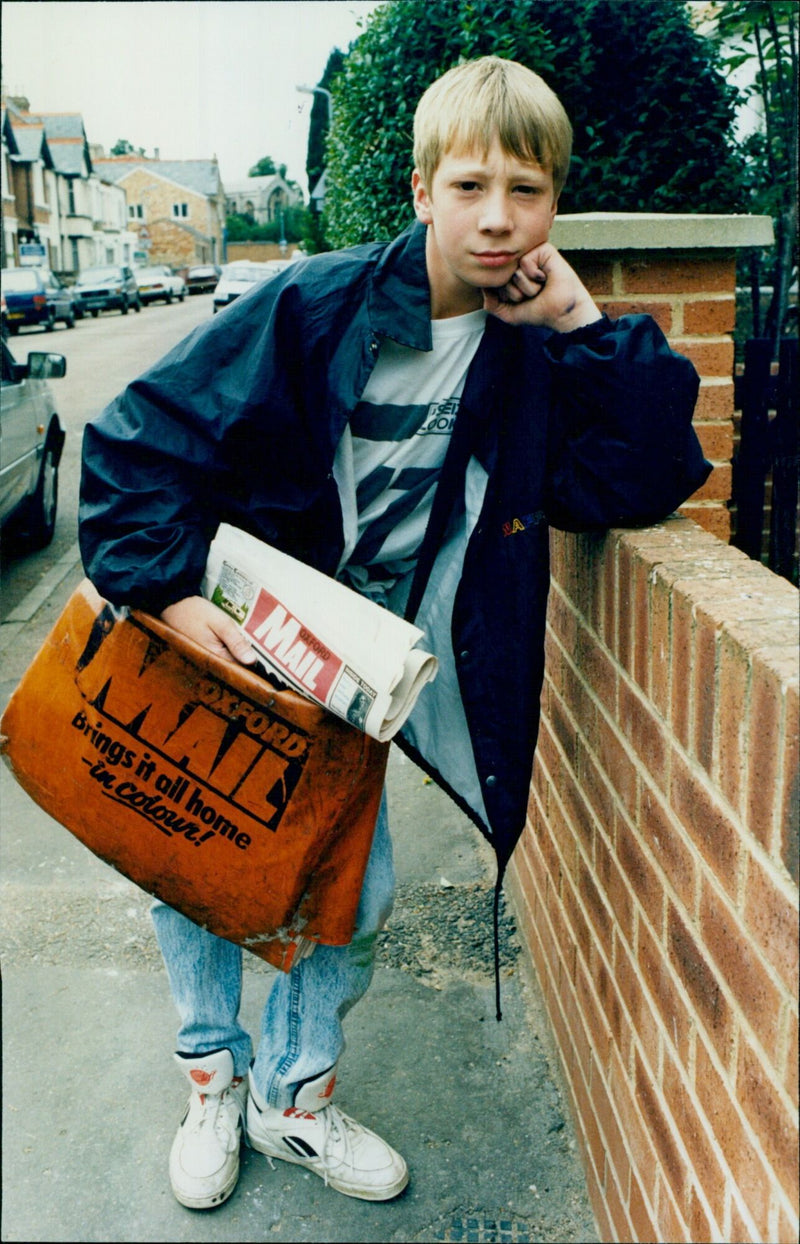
point(320, 90)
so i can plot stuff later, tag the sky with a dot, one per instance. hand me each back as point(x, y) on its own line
point(193, 78)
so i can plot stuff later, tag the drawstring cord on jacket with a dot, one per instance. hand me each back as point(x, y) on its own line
point(498, 887)
point(496, 929)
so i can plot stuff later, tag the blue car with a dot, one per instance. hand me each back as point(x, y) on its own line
point(35, 296)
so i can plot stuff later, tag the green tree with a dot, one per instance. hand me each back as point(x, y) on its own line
point(318, 128)
point(242, 227)
point(319, 120)
point(264, 167)
point(651, 111)
point(761, 36)
point(122, 148)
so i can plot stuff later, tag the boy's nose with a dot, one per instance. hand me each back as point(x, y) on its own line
point(495, 216)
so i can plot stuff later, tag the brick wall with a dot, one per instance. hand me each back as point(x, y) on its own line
point(656, 881)
point(259, 252)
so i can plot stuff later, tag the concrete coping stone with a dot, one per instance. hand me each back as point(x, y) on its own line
point(615, 231)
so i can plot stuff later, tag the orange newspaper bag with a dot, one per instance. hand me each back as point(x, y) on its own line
point(246, 807)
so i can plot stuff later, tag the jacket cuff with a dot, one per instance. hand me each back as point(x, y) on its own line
point(557, 343)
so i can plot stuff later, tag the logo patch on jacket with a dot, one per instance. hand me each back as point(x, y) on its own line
point(520, 524)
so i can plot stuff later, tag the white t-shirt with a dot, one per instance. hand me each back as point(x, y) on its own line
point(389, 460)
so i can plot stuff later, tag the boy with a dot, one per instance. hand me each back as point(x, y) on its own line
point(408, 417)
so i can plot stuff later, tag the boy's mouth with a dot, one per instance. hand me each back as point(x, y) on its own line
point(495, 259)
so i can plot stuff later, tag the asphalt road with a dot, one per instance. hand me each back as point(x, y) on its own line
point(90, 1096)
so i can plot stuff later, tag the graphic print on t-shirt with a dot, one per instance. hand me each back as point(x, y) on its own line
point(388, 495)
point(398, 447)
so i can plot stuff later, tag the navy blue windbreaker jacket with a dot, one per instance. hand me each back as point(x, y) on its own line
point(240, 423)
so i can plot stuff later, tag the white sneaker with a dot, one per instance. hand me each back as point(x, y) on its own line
point(346, 1155)
point(204, 1160)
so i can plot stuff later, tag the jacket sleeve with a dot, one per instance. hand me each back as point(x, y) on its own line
point(622, 450)
point(164, 462)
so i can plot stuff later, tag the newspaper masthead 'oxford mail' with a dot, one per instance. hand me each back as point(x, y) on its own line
point(355, 658)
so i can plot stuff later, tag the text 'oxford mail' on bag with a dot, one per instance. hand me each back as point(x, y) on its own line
point(357, 659)
point(249, 809)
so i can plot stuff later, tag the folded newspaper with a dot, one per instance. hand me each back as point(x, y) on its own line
point(355, 658)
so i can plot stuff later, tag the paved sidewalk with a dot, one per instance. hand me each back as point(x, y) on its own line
point(91, 1098)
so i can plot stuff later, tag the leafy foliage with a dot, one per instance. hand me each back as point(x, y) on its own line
point(762, 36)
point(318, 122)
point(122, 148)
point(265, 167)
point(242, 227)
point(314, 239)
point(650, 109)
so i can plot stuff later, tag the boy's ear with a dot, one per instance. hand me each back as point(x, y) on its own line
point(422, 203)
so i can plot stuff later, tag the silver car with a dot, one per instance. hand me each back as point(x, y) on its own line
point(31, 441)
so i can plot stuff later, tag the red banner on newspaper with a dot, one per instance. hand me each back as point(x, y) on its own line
point(292, 646)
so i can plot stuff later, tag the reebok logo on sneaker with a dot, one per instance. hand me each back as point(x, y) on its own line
point(328, 1089)
point(201, 1077)
point(299, 1146)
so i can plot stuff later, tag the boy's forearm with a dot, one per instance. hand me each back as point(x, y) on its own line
point(577, 312)
point(623, 447)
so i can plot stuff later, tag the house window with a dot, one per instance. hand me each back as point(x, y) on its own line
point(135, 211)
point(180, 210)
point(71, 194)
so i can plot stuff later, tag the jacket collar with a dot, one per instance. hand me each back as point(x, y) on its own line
point(399, 300)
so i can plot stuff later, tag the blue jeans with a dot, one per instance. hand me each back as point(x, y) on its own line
point(301, 1026)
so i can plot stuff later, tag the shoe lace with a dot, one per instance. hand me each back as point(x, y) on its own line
point(336, 1127)
point(215, 1119)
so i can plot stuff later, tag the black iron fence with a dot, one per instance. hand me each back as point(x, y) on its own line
point(766, 464)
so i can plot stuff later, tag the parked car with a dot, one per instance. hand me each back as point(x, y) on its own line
point(31, 442)
point(159, 284)
point(203, 278)
point(36, 296)
point(241, 275)
point(111, 287)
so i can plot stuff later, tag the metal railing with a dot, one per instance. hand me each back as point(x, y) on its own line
point(766, 474)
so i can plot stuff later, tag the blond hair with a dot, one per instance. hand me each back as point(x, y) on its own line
point(475, 102)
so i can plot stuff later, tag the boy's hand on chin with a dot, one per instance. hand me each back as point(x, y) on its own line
point(544, 290)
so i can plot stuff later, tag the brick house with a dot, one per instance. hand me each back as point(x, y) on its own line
point(29, 188)
point(176, 207)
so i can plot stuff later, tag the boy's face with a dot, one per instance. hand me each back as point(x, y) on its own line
point(484, 212)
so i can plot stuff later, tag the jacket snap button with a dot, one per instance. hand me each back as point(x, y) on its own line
point(463, 655)
point(491, 780)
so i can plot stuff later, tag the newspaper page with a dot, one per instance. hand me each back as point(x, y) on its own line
point(357, 659)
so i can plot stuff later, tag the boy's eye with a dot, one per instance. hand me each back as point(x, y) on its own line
point(467, 185)
point(528, 190)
